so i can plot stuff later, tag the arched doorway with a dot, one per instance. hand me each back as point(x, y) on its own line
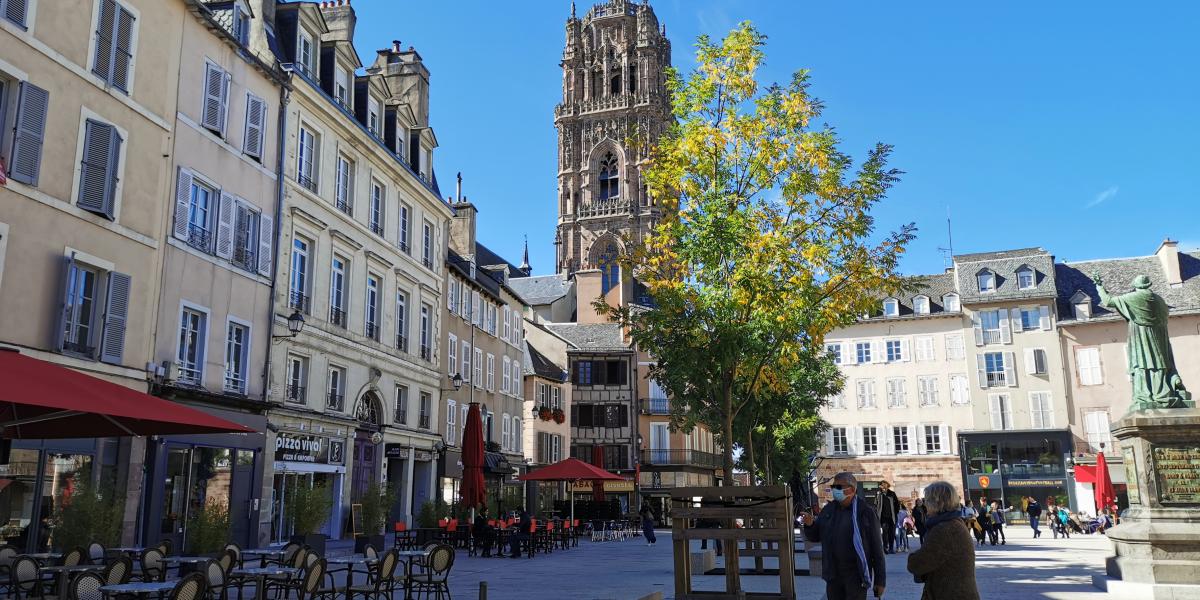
point(367, 438)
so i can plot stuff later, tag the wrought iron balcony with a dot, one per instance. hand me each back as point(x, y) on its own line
point(335, 401)
point(402, 343)
point(656, 406)
point(296, 394)
point(688, 458)
point(298, 301)
point(377, 229)
point(307, 182)
point(199, 238)
point(401, 416)
point(426, 352)
point(424, 424)
point(372, 331)
point(345, 206)
point(337, 316)
point(244, 258)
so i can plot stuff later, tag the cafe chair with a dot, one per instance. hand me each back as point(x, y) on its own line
point(86, 586)
point(286, 583)
point(216, 580)
point(191, 587)
point(119, 571)
point(384, 582)
point(237, 553)
point(74, 556)
point(435, 575)
point(96, 553)
point(8, 553)
point(289, 553)
point(152, 567)
point(166, 546)
point(403, 538)
point(27, 582)
point(310, 582)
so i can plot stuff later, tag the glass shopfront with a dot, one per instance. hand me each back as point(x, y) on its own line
point(38, 481)
point(197, 476)
point(306, 460)
point(1012, 465)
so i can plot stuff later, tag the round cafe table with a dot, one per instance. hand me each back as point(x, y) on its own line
point(192, 561)
point(351, 562)
point(408, 557)
point(63, 574)
point(260, 575)
point(263, 554)
point(141, 588)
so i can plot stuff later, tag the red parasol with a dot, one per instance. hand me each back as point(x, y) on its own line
point(572, 469)
point(472, 491)
point(1106, 497)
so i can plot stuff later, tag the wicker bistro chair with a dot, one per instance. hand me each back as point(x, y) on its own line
point(74, 556)
point(289, 553)
point(119, 571)
point(167, 546)
point(27, 582)
point(96, 553)
point(152, 566)
point(310, 582)
point(8, 554)
point(191, 587)
point(86, 586)
point(384, 582)
point(435, 575)
point(288, 583)
point(237, 554)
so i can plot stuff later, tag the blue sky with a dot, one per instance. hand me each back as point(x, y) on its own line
point(1034, 124)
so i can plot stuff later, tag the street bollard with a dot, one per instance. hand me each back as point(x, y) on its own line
point(482, 590)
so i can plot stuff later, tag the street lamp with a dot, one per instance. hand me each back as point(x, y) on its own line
point(295, 324)
point(456, 381)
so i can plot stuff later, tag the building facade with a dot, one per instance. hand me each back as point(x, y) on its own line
point(357, 393)
point(547, 409)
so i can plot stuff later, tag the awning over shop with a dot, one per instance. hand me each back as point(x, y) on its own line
point(496, 464)
point(39, 399)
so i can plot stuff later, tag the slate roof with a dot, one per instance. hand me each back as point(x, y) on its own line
point(484, 257)
point(542, 289)
point(1117, 274)
point(933, 286)
point(1004, 264)
point(591, 336)
point(538, 364)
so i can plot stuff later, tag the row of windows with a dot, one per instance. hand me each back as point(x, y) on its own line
point(998, 326)
point(889, 439)
point(214, 112)
point(612, 372)
point(511, 435)
point(600, 415)
point(497, 320)
point(920, 304)
point(613, 456)
point(1041, 411)
point(214, 221)
point(893, 350)
point(547, 395)
point(300, 280)
point(334, 393)
point(929, 392)
point(511, 375)
point(988, 280)
point(192, 349)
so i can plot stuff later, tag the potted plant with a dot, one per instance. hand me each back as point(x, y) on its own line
point(87, 514)
point(308, 509)
point(559, 416)
point(544, 413)
point(376, 506)
point(208, 530)
point(431, 512)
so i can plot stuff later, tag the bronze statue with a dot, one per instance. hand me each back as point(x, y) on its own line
point(1156, 383)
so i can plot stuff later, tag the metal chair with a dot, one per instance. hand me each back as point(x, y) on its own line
point(96, 553)
point(27, 581)
point(237, 553)
point(191, 587)
point(216, 580)
point(86, 586)
point(289, 553)
point(152, 565)
point(436, 575)
point(74, 556)
point(8, 553)
point(384, 582)
point(118, 571)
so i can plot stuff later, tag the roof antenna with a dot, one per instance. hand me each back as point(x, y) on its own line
point(948, 252)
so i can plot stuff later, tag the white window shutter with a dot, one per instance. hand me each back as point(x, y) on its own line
point(29, 131)
point(977, 324)
point(183, 196)
point(854, 439)
point(1044, 317)
point(1010, 369)
point(981, 365)
point(850, 357)
point(1016, 320)
point(878, 354)
point(1035, 414)
point(256, 116)
point(886, 444)
point(266, 239)
point(905, 349)
point(214, 83)
point(994, 409)
point(944, 433)
point(829, 441)
point(913, 448)
point(63, 307)
point(225, 79)
point(112, 342)
point(1005, 327)
point(1030, 361)
point(225, 217)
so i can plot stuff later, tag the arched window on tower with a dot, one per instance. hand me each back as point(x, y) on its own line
point(610, 269)
point(633, 79)
point(614, 85)
point(610, 182)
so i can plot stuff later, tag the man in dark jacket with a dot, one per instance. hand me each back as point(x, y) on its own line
point(887, 504)
point(852, 559)
point(1034, 510)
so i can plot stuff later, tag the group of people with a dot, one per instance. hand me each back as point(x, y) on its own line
point(1062, 522)
point(851, 533)
point(986, 521)
point(485, 532)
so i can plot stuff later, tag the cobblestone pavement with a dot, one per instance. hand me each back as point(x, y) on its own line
point(1024, 568)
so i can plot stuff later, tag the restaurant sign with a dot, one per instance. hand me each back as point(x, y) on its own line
point(609, 486)
point(1025, 483)
point(1177, 469)
point(985, 482)
point(294, 447)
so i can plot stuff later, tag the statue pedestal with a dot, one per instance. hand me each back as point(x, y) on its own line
point(1157, 544)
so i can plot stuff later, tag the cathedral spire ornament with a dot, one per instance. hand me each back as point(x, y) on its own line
point(525, 268)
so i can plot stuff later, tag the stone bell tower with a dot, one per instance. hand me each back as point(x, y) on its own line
point(614, 106)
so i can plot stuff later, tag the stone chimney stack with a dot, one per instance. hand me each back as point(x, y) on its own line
point(340, 19)
point(1168, 257)
point(462, 228)
point(407, 77)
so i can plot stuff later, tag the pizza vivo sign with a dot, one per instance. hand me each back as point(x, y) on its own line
point(306, 448)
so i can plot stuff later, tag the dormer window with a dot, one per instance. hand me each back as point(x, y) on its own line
point(373, 121)
point(241, 25)
point(921, 305)
point(305, 58)
point(1082, 305)
point(891, 308)
point(341, 86)
point(610, 182)
point(950, 303)
point(986, 280)
point(1026, 279)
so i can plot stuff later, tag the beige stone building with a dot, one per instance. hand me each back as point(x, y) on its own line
point(362, 233)
point(547, 386)
point(485, 347)
point(85, 141)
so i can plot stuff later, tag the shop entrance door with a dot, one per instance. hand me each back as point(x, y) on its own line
point(241, 498)
point(365, 459)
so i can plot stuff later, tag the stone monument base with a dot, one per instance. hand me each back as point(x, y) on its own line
point(1157, 545)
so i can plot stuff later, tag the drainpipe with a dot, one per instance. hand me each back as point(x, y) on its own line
point(279, 188)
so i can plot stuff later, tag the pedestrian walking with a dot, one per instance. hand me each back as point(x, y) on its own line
point(1034, 510)
point(903, 528)
point(887, 504)
point(648, 523)
point(970, 517)
point(945, 562)
point(853, 560)
point(998, 523)
point(918, 516)
point(985, 520)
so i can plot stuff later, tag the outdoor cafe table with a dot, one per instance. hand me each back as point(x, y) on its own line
point(141, 588)
point(43, 557)
point(411, 556)
point(186, 560)
point(351, 562)
point(63, 574)
point(132, 551)
point(260, 575)
point(263, 553)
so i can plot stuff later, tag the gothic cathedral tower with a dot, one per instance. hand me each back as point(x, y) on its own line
point(615, 105)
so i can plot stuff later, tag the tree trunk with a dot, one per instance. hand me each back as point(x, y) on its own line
point(768, 448)
point(750, 466)
point(727, 434)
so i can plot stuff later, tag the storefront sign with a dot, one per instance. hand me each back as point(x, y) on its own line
point(423, 456)
point(395, 451)
point(609, 486)
point(1025, 483)
point(985, 482)
point(1131, 475)
point(1178, 471)
point(293, 447)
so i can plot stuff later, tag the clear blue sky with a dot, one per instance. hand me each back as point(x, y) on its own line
point(1036, 124)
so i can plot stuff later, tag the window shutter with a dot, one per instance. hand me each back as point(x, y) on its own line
point(1005, 327)
point(30, 129)
point(102, 61)
point(829, 441)
point(1030, 361)
point(905, 348)
point(124, 52)
point(977, 324)
point(884, 437)
point(60, 331)
point(224, 114)
point(1016, 320)
point(225, 217)
point(850, 356)
point(853, 437)
point(1035, 413)
point(1010, 369)
point(981, 365)
point(97, 178)
point(1044, 317)
point(214, 84)
point(14, 10)
point(878, 355)
point(256, 116)
point(944, 433)
point(913, 443)
point(266, 240)
point(112, 344)
point(994, 409)
point(183, 196)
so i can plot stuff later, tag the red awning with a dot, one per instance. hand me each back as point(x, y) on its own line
point(571, 469)
point(1085, 474)
point(39, 399)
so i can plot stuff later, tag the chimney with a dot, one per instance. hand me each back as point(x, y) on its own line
point(340, 19)
point(462, 228)
point(458, 188)
point(1168, 257)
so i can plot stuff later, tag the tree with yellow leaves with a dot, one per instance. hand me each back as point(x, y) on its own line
point(765, 245)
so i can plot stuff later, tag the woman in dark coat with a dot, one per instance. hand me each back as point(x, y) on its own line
point(945, 562)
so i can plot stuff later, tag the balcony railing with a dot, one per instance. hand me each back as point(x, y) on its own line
point(372, 331)
point(377, 229)
point(298, 301)
point(403, 246)
point(996, 379)
point(335, 401)
point(656, 406)
point(426, 352)
point(691, 458)
point(992, 336)
point(401, 416)
point(428, 262)
point(424, 424)
point(235, 384)
point(78, 348)
point(199, 238)
point(345, 206)
point(308, 182)
point(244, 258)
point(337, 316)
point(296, 393)
point(402, 343)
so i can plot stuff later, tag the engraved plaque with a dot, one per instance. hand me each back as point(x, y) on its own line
point(1177, 470)
point(1131, 475)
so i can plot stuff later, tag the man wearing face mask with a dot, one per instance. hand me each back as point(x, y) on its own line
point(852, 559)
